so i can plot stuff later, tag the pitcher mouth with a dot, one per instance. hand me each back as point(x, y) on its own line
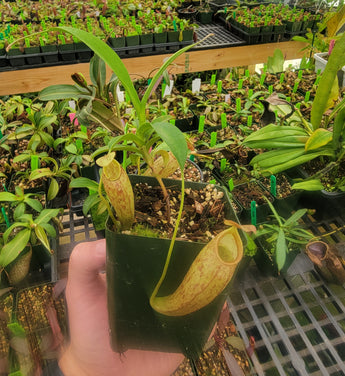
point(318, 249)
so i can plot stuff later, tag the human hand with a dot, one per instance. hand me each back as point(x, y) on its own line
point(89, 352)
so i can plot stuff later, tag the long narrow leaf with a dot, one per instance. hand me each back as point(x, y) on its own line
point(281, 249)
point(109, 56)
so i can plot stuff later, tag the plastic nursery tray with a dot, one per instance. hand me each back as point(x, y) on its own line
point(297, 321)
point(221, 37)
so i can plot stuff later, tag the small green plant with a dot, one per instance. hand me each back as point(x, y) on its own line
point(280, 235)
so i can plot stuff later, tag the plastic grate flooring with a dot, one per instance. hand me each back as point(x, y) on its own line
point(298, 322)
point(221, 37)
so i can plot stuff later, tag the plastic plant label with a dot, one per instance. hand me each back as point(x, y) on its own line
point(250, 120)
point(273, 185)
point(168, 88)
point(307, 96)
point(79, 145)
point(227, 98)
point(223, 120)
point(213, 139)
point(34, 162)
point(213, 79)
point(201, 124)
point(83, 129)
point(222, 164)
point(219, 86)
point(196, 83)
point(121, 96)
point(213, 181)
point(253, 213)
point(71, 104)
point(231, 185)
point(262, 79)
point(172, 121)
point(5, 217)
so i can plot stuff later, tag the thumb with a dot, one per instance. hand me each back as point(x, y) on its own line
point(86, 261)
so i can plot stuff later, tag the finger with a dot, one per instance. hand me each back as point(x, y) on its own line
point(86, 261)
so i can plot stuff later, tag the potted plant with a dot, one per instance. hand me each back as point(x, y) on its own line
point(279, 241)
point(160, 321)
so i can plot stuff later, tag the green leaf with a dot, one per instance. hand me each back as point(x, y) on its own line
point(71, 148)
point(175, 140)
point(53, 189)
point(41, 173)
point(281, 249)
point(295, 217)
point(35, 204)
point(50, 230)
point(109, 56)
point(56, 92)
point(326, 84)
point(320, 137)
point(19, 211)
point(11, 250)
point(84, 183)
point(7, 197)
point(98, 72)
point(90, 201)
point(46, 215)
point(8, 231)
point(42, 236)
point(309, 185)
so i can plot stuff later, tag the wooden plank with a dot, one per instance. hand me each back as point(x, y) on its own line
point(32, 80)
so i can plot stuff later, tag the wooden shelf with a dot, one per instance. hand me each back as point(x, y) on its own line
point(33, 80)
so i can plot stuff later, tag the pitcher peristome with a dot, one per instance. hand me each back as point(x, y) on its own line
point(206, 278)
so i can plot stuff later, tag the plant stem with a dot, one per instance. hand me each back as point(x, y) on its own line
point(105, 201)
point(171, 246)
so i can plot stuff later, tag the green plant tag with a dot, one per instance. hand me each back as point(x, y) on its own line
point(246, 73)
point(295, 86)
point(238, 104)
point(223, 120)
point(222, 164)
point(270, 89)
point(273, 185)
point(219, 86)
point(262, 78)
point(3, 211)
point(300, 74)
point(231, 185)
point(282, 78)
point(83, 129)
point(253, 213)
point(213, 79)
point(164, 85)
point(34, 162)
point(174, 25)
point(240, 83)
point(318, 78)
point(201, 124)
point(172, 121)
point(250, 93)
point(213, 181)
point(249, 120)
point(307, 96)
point(191, 157)
point(213, 139)
point(79, 145)
point(298, 105)
point(288, 99)
point(1, 135)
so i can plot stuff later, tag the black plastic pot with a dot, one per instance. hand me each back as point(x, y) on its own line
point(132, 42)
point(118, 44)
point(84, 53)
point(188, 13)
point(173, 40)
point(134, 265)
point(160, 40)
point(3, 58)
point(205, 17)
point(16, 57)
point(146, 42)
point(266, 264)
point(67, 52)
point(50, 53)
point(33, 59)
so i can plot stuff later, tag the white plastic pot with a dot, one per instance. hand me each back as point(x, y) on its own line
point(320, 64)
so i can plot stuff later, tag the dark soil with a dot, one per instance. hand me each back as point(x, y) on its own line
point(202, 218)
point(251, 191)
point(283, 186)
